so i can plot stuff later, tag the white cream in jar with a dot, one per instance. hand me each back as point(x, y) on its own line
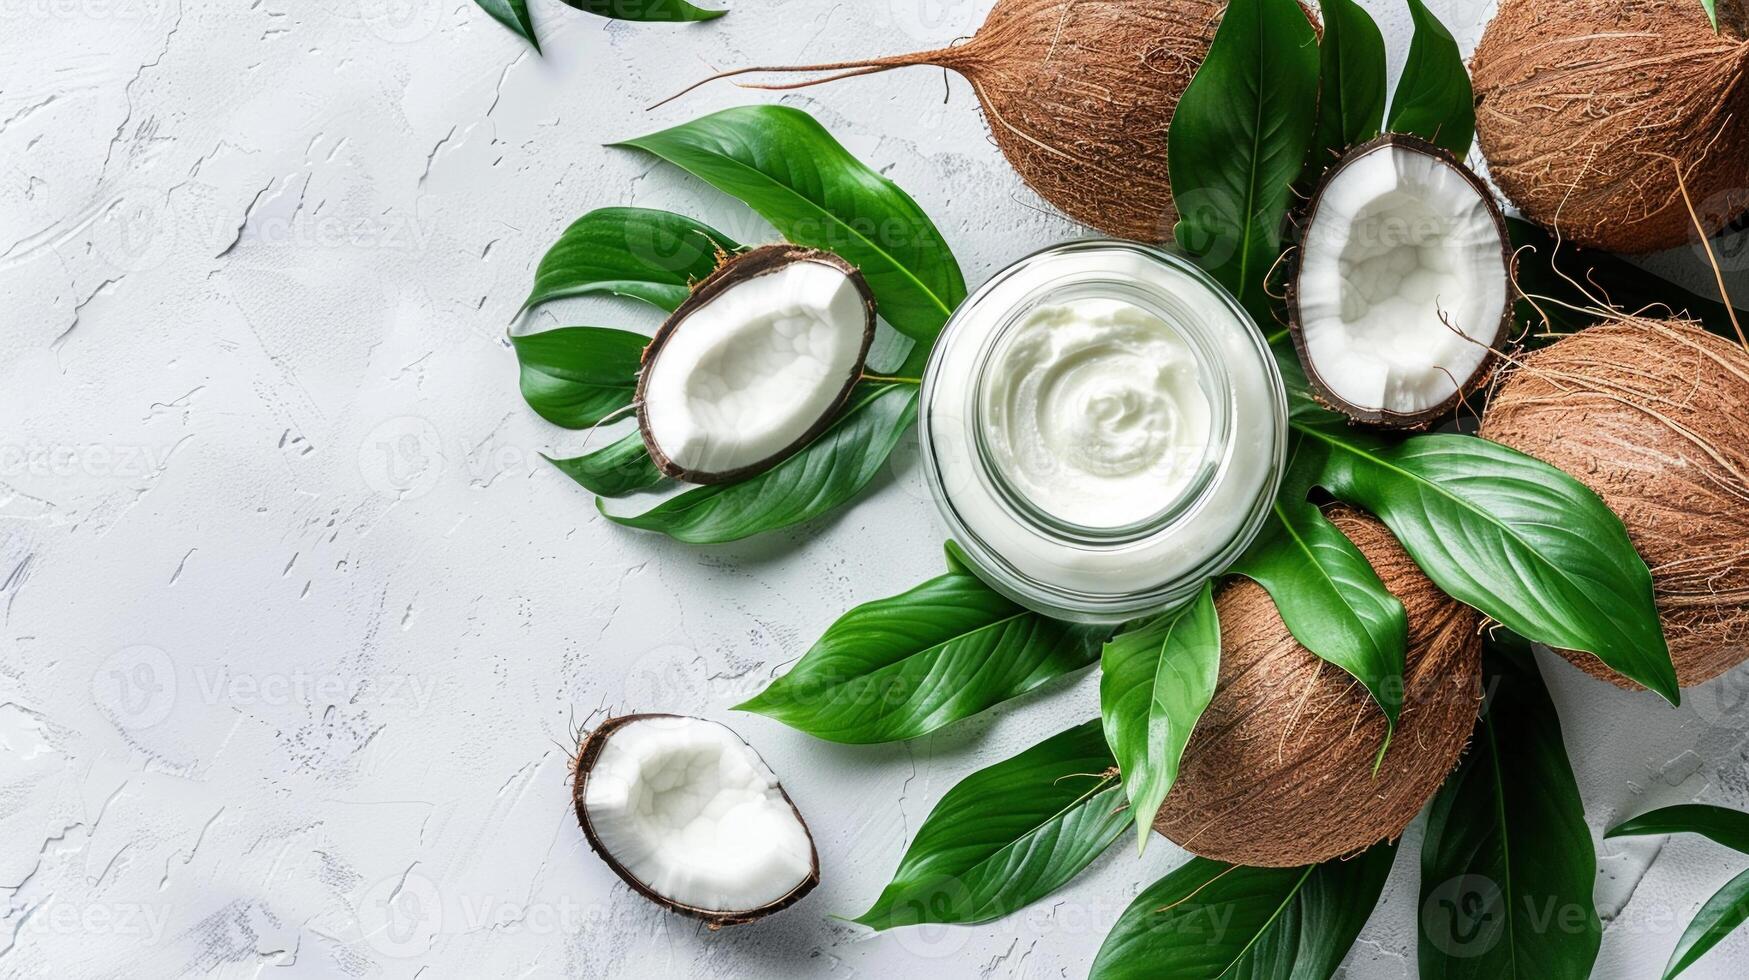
point(1103, 428)
point(1094, 410)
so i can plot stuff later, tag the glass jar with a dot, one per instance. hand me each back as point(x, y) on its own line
point(1226, 476)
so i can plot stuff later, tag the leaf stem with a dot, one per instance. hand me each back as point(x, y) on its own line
point(892, 380)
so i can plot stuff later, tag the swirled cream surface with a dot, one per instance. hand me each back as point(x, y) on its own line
point(1103, 429)
point(1094, 412)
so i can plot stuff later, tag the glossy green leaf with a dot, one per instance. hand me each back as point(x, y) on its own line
point(826, 473)
point(1565, 284)
point(904, 666)
point(1239, 138)
point(1712, 13)
point(638, 253)
point(514, 15)
point(1722, 913)
point(1507, 864)
point(1156, 678)
point(646, 10)
point(615, 470)
point(1718, 824)
point(1433, 99)
point(1328, 595)
point(1351, 81)
point(1516, 538)
point(1729, 907)
point(784, 165)
point(576, 376)
point(1008, 835)
point(1208, 919)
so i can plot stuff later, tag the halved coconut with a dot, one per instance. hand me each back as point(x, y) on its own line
point(1403, 284)
point(754, 364)
point(685, 812)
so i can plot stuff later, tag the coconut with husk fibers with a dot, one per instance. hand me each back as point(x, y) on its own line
point(1587, 111)
point(1279, 771)
point(755, 364)
point(1651, 414)
point(689, 816)
point(1078, 94)
point(1401, 285)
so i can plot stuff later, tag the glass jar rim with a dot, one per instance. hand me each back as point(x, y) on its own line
point(1149, 595)
point(1211, 371)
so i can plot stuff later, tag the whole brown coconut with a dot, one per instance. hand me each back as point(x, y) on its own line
point(1586, 108)
point(1078, 95)
point(1651, 415)
point(1279, 771)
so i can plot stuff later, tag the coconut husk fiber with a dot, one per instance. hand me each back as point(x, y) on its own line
point(1586, 109)
point(1279, 771)
point(1653, 415)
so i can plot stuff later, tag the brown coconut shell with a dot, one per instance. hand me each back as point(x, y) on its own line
point(1078, 95)
point(732, 271)
point(1279, 770)
point(1650, 414)
point(1305, 229)
point(584, 762)
point(1585, 110)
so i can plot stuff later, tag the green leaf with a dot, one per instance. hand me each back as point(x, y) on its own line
point(827, 473)
point(1008, 835)
point(638, 253)
point(1208, 919)
point(1712, 13)
point(514, 15)
point(1516, 538)
point(1155, 681)
point(576, 376)
point(1328, 595)
point(1239, 138)
point(1351, 81)
point(1721, 825)
point(615, 470)
point(1724, 912)
point(1727, 909)
point(1433, 98)
point(1554, 282)
point(1507, 865)
point(904, 666)
point(784, 165)
point(646, 10)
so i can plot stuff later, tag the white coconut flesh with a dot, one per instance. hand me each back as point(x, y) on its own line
point(1402, 281)
point(754, 369)
point(693, 813)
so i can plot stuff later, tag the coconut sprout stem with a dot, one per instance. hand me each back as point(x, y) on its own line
point(1197, 890)
point(1712, 260)
point(845, 69)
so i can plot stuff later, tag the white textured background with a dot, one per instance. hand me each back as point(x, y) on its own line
point(295, 627)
